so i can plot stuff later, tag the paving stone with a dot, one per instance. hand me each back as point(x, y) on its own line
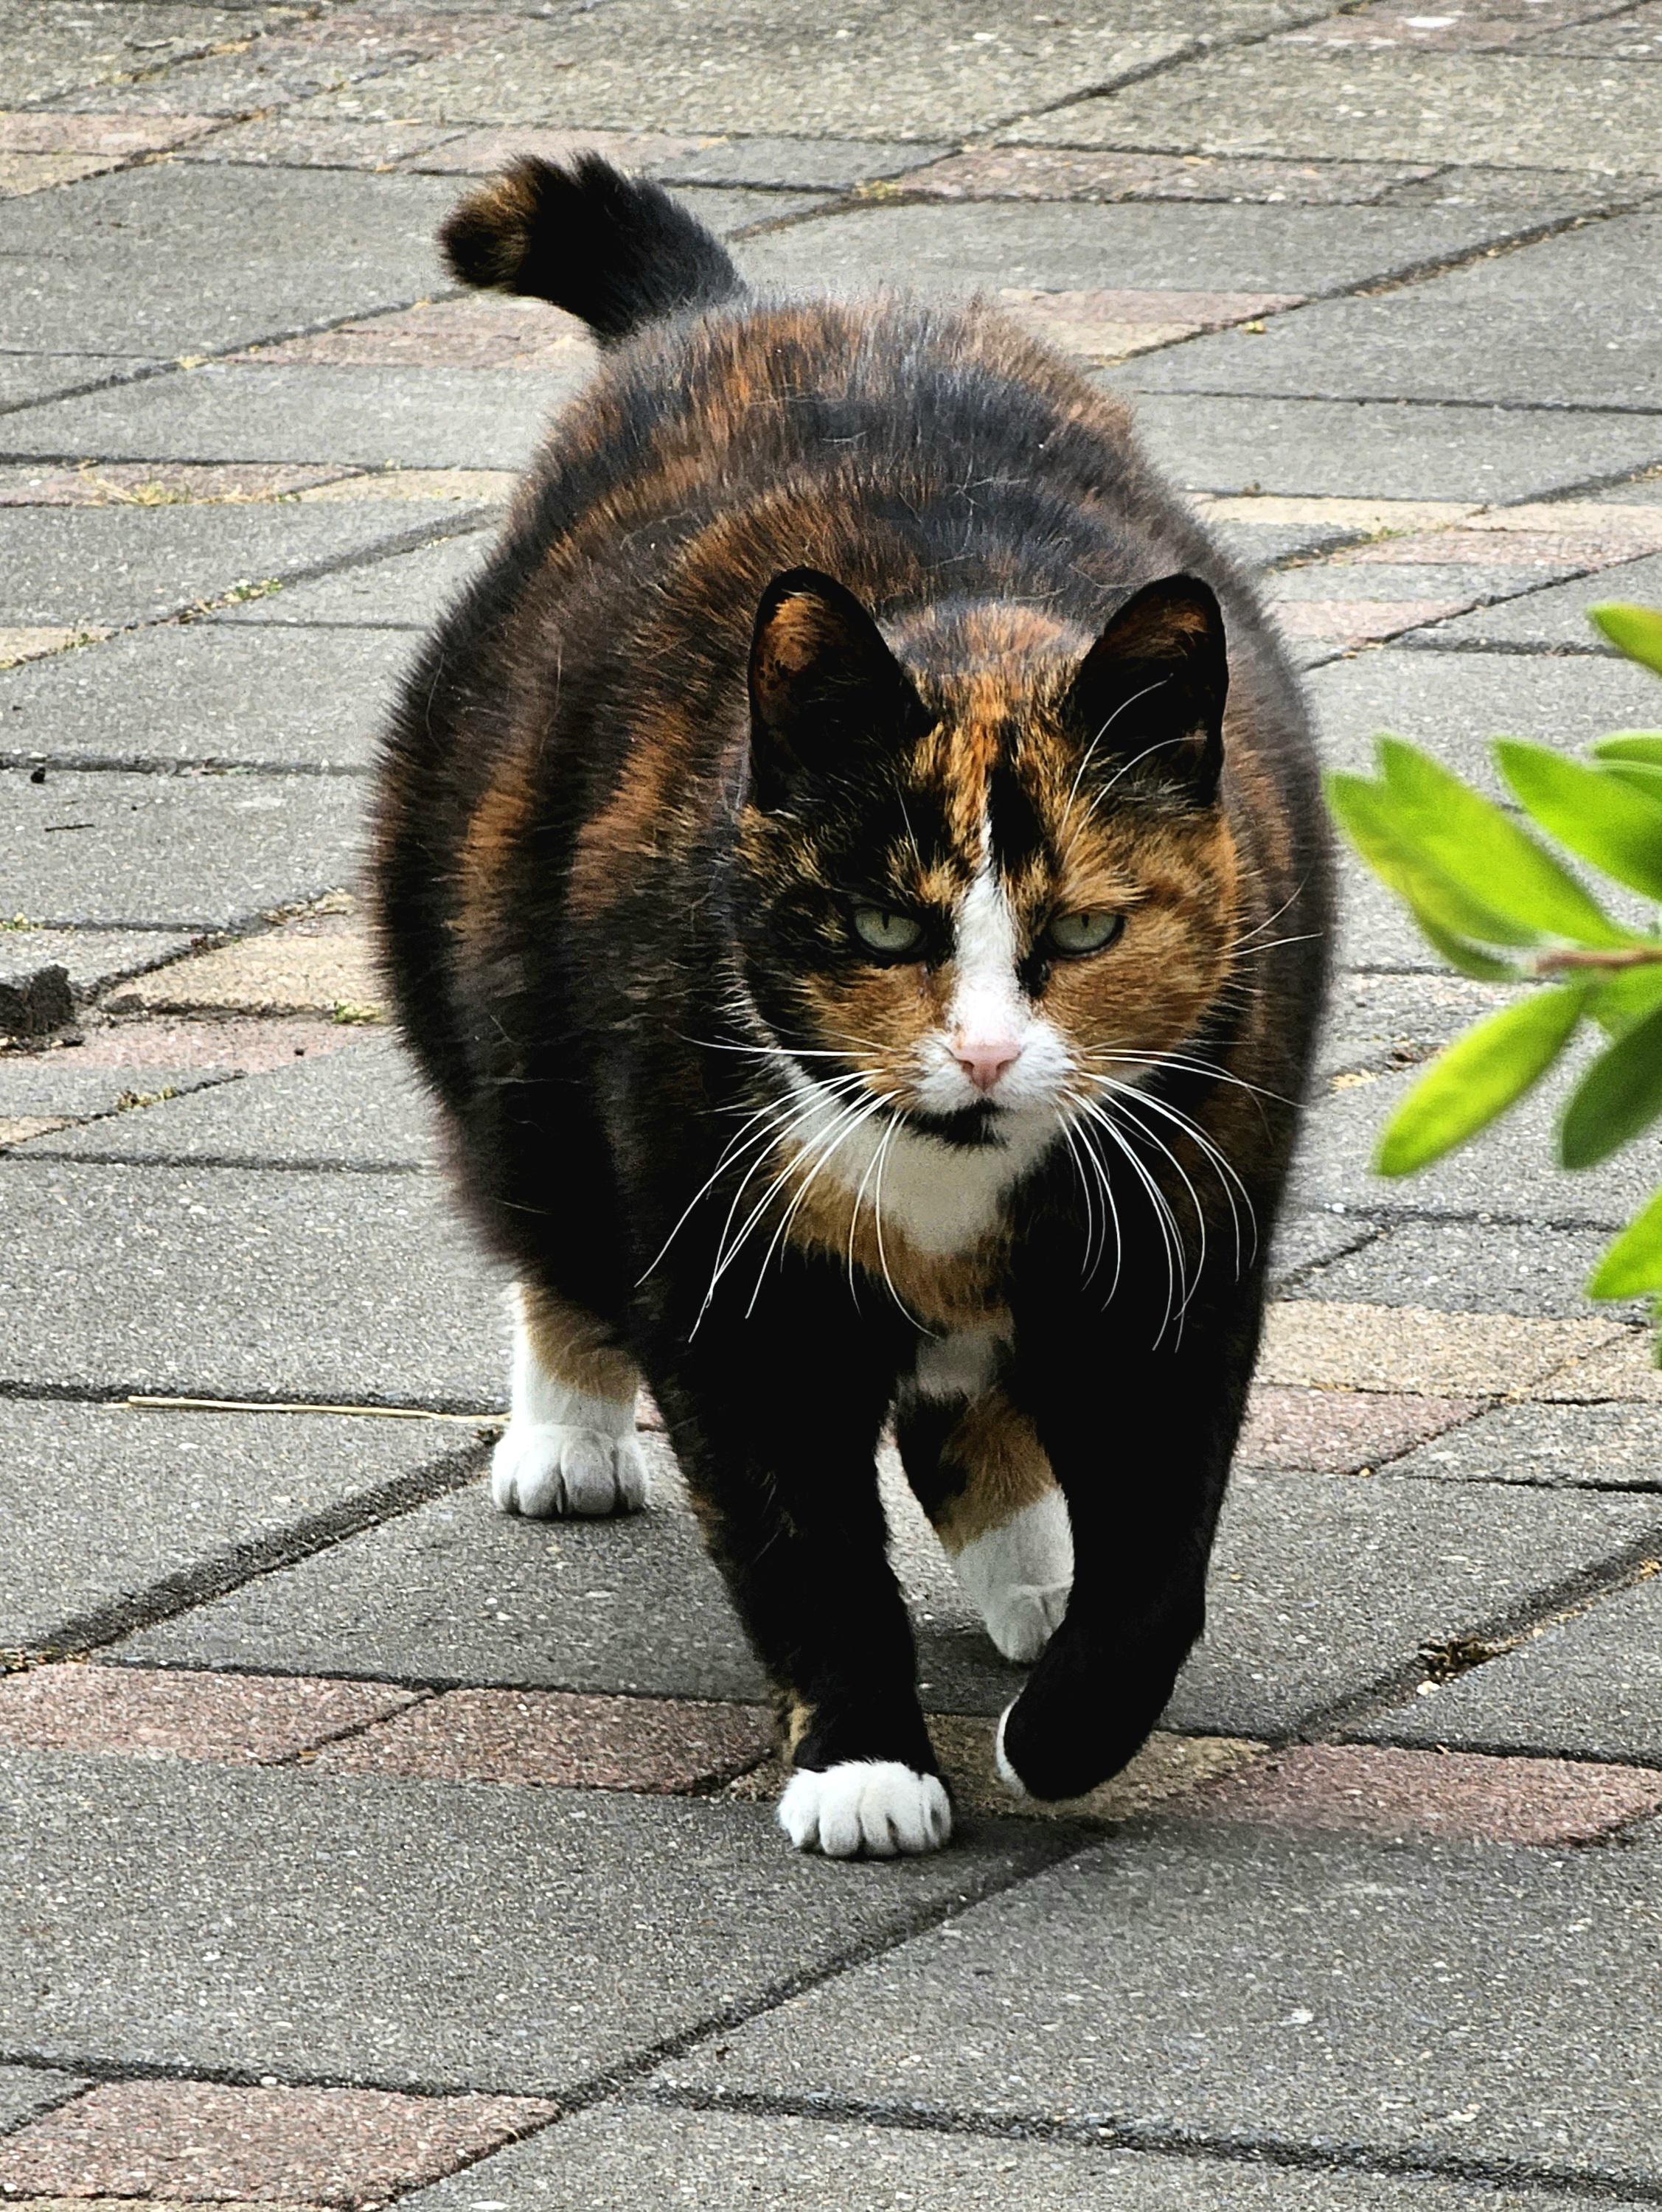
point(1463, 1267)
point(481, 330)
point(184, 1500)
point(292, 142)
point(211, 852)
point(1625, 1372)
point(60, 1083)
point(28, 378)
point(51, 50)
point(480, 418)
point(162, 1713)
point(1384, 1021)
point(126, 564)
point(1331, 583)
point(323, 966)
point(206, 697)
point(35, 997)
point(811, 164)
point(220, 1045)
point(1385, 449)
point(1590, 1686)
point(1555, 194)
point(955, 249)
point(1285, 99)
point(1455, 704)
point(1507, 1173)
point(1436, 340)
point(1328, 1343)
point(1556, 620)
point(39, 172)
point(487, 487)
point(1257, 545)
point(1614, 1446)
point(91, 959)
point(1270, 2030)
point(295, 1923)
point(27, 2090)
point(767, 68)
point(1304, 1238)
point(458, 152)
point(153, 483)
point(1352, 621)
point(547, 1736)
point(34, 642)
point(1055, 173)
point(208, 2139)
point(622, 2156)
point(1366, 1791)
point(116, 136)
point(1341, 1432)
point(354, 1288)
point(406, 591)
point(146, 265)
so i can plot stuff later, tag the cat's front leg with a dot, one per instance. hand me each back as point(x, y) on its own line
point(568, 1449)
point(783, 1471)
point(1140, 1447)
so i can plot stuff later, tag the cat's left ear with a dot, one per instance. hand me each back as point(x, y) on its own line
point(1151, 689)
point(824, 686)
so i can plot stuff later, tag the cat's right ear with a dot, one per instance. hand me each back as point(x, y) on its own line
point(824, 686)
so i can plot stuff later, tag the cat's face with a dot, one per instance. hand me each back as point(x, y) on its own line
point(985, 887)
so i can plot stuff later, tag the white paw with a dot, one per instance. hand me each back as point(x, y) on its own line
point(866, 1807)
point(1007, 1773)
point(549, 1473)
point(1022, 1620)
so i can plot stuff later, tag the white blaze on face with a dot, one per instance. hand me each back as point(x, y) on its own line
point(994, 1044)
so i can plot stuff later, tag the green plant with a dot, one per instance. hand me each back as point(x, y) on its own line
point(1497, 903)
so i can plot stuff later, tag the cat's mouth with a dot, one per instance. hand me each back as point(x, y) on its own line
point(974, 1127)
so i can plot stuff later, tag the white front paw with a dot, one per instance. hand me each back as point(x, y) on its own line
point(549, 1472)
point(866, 1808)
point(1022, 1620)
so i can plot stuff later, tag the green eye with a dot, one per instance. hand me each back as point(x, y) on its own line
point(884, 930)
point(1090, 931)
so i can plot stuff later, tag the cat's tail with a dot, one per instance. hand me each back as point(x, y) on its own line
point(616, 251)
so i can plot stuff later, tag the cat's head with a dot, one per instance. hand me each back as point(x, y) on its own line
point(984, 872)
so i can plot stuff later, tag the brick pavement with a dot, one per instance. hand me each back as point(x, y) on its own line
point(368, 1847)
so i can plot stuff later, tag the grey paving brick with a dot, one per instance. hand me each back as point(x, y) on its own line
point(422, 417)
point(1614, 1446)
point(27, 2090)
point(359, 1107)
point(52, 49)
point(1398, 1020)
point(1588, 1688)
point(48, 1083)
point(1374, 929)
point(210, 852)
point(147, 266)
point(623, 2156)
point(955, 249)
point(1322, 1586)
point(205, 695)
point(1465, 1266)
point(1257, 545)
point(92, 959)
point(106, 565)
point(786, 68)
point(301, 1927)
point(1506, 1175)
point(182, 1502)
point(1392, 106)
point(1305, 1239)
point(1468, 2002)
point(405, 592)
point(1455, 704)
point(1555, 619)
point(813, 164)
point(239, 1283)
point(1436, 340)
point(25, 378)
point(1382, 449)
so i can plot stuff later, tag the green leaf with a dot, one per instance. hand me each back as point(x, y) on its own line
point(1633, 746)
point(1620, 1095)
point(1464, 958)
point(1625, 997)
point(1468, 839)
point(1593, 811)
point(1477, 1077)
point(1636, 631)
point(1638, 776)
point(1373, 820)
point(1633, 1265)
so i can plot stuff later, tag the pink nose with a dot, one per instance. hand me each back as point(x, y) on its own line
point(984, 1059)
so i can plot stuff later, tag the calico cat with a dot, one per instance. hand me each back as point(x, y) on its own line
point(850, 869)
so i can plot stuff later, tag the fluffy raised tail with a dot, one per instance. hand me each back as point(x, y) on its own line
point(615, 251)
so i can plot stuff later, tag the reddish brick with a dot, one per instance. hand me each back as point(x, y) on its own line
point(474, 333)
point(241, 1047)
point(163, 1712)
point(1357, 621)
point(197, 2141)
point(1493, 548)
point(659, 1745)
point(111, 137)
point(1341, 1432)
point(1463, 1795)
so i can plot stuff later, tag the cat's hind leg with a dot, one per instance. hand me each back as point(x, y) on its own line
point(981, 1474)
point(569, 1446)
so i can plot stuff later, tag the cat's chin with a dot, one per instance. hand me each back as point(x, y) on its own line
point(982, 1127)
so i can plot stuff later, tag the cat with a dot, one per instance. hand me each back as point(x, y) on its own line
point(851, 869)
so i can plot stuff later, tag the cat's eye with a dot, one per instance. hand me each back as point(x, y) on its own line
point(1091, 930)
point(882, 930)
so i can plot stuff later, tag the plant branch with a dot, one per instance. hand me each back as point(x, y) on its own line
point(1628, 955)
